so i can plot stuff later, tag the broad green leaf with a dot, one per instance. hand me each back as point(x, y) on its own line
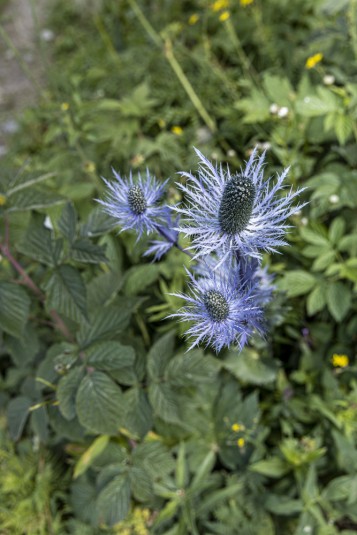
point(342, 488)
point(26, 181)
point(273, 467)
point(39, 423)
point(99, 404)
point(66, 293)
point(141, 484)
point(138, 412)
point(316, 300)
point(138, 278)
point(338, 300)
point(160, 354)
point(107, 321)
point(102, 289)
point(278, 89)
point(313, 237)
point(34, 199)
point(67, 222)
point(249, 367)
point(39, 244)
point(113, 502)
point(155, 458)
point(283, 505)
point(192, 368)
point(297, 282)
point(17, 414)
point(323, 261)
point(87, 458)
point(110, 355)
point(98, 223)
point(164, 403)
point(14, 308)
point(85, 251)
point(336, 230)
point(67, 390)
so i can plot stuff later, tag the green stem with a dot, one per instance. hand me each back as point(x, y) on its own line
point(246, 64)
point(145, 23)
point(352, 24)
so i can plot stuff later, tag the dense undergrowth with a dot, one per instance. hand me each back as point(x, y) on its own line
point(111, 427)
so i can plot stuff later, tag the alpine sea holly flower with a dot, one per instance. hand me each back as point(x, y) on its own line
point(168, 237)
point(240, 212)
point(134, 204)
point(223, 312)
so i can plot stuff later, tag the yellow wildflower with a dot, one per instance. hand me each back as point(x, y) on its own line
point(64, 106)
point(177, 130)
point(241, 442)
point(2, 200)
point(312, 61)
point(89, 167)
point(224, 16)
point(218, 5)
point(237, 427)
point(193, 19)
point(340, 361)
point(245, 2)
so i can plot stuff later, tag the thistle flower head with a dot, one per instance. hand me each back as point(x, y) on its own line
point(241, 212)
point(134, 204)
point(223, 311)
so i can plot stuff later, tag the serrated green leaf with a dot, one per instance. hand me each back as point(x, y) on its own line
point(26, 181)
point(313, 237)
point(110, 355)
point(85, 251)
point(99, 404)
point(66, 293)
point(39, 245)
point(34, 199)
point(17, 414)
point(336, 230)
point(155, 458)
point(67, 222)
point(67, 390)
point(338, 300)
point(102, 289)
point(113, 502)
point(342, 488)
point(316, 300)
point(323, 261)
point(138, 278)
point(164, 403)
point(249, 367)
point(297, 282)
point(138, 412)
point(97, 224)
point(14, 308)
point(191, 369)
point(87, 458)
point(160, 354)
point(141, 484)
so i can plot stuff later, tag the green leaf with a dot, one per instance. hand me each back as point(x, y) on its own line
point(138, 413)
point(67, 222)
point(336, 230)
point(106, 322)
point(164, 403)
point(297, 282)
point(99, 403)
point(338, 300)
point(342, 488)
point(34, 199)
point(141, 484)
point(323, 261)
point(17, 414)
point(98, 223)
point(39, 244)
point(102, 289)
point(86, 459)
point(108, 356)
point(26, 181)
point(316, 300)
point(159, 355)
point(155, 458)
point(14, 308)
point(66, 293)
point(249, 367)
point(138, 278)
point(313, 106)
point(192, 368)
point(273, 467)
point(67, 391)
point(113, 502)
point(85, 251)
point(283, 505)
point(313, 237)
point(278, 89)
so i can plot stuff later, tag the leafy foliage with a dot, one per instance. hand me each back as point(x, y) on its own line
point(158, 440)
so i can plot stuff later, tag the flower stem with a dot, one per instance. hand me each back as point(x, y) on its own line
point(166, 235)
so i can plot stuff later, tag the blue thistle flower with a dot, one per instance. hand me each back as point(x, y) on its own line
point(222, 310)
point(134, 204)
point(240, 212)
point(169, 237)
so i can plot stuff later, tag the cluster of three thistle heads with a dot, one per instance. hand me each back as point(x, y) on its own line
point(230, 219)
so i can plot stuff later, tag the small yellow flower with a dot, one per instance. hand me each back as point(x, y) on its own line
point(340, 361)
point(236, 428)
point(193, 19)
point(64, 106)
point(218, 5)
point(89, 167)
point(224, 16)
point(2, 200)
point(241, 442)
point(312, 61)
point(177, 130)
point(245, 2)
